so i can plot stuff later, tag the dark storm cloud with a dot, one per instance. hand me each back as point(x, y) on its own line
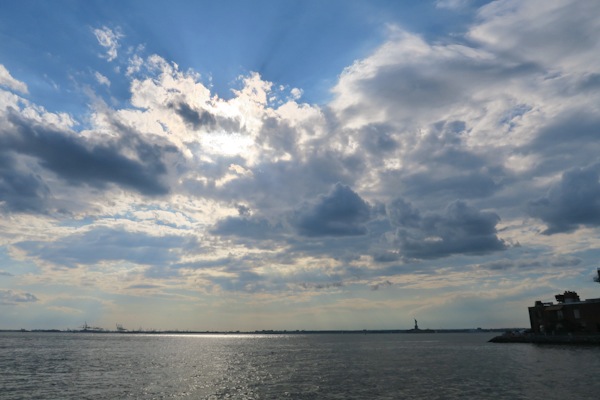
point(578, 127)
point(386, 256)
point(11, 297)
point(572, 203)
point(108, 244)
point(570, 139)
point(452, 169)
point(446, 168)
point(402, 213)
point(194, 118)
point(341, 212)
point(377, 139)
point(20, 191)
point(460, 230)
point(465, 184)
point(344, 249)
point(78, 161)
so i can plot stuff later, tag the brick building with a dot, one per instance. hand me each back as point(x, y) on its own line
point(569, 315)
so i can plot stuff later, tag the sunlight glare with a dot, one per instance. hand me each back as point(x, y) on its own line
point(228, 144)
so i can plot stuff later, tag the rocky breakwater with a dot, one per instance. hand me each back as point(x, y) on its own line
point(517, 337)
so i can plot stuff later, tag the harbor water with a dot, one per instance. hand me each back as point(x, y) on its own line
point(295, 366)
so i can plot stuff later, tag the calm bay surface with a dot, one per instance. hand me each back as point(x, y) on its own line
point(296, 366)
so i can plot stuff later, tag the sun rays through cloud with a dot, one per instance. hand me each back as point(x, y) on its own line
point(346, 168)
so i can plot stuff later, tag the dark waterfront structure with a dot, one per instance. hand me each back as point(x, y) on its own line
point(569, 315)
point(569, 321)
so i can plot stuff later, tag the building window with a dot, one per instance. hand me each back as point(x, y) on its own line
point(576, 313)
point(559, 314)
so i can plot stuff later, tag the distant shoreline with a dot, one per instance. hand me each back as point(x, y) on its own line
point(265, 332)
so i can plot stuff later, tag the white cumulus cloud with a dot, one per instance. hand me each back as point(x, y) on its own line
point(9, 82)
point(108, 39)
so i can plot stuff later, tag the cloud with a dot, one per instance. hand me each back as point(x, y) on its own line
point(75, 159)
point(485, 120)
point(144, 286)
point(12, 297)
point(341, 212)
point(402, 213)
point(320, 286)
point(9, 82)
point(571, 203)
point(408, 82)
point(531, 263)
point(101, 79)
point(461, 229)
point(259, 194)
point(452, 4)
point(467, 184)
point(386, 256)
point(296, 93)
point(570, 135)
point(381, 285)
point(378, 139)
point(246, 227)
point(193, 117)
point(506, 264)
point(108, 39)
point(20, 190)
point(560, 34)
point(109, 244)
point(246, 281)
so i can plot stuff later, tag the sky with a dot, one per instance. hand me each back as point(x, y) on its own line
point(249, 165)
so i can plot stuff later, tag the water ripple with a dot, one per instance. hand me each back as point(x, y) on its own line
point(436, 366)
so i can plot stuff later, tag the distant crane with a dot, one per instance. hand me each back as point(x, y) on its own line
point(88, 328)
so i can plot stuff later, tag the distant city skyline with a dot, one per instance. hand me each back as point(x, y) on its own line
point(317, 165)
